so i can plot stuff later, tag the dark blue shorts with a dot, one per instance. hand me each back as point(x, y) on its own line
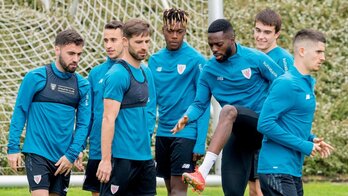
point(40, 174)
point(129, 177)
point(91, 182)
point(174, 156)
point(281, 184)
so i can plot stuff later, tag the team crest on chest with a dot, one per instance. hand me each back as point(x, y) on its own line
point(181, 68)
point(37, 179)
point(246, 73)
point(53, 86)
point(114, 188)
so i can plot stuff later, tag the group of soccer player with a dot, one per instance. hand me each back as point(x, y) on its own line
point(266, 94)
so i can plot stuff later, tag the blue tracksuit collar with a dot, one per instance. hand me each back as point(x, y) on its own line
point(109, 61)
point(64, 75)
point(310, 80)
point(183, 45)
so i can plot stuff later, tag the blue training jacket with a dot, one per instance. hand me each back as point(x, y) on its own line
point(50, 127)
point(282, 57)
point(243, 79)
point(176, 75)
point(286, 123)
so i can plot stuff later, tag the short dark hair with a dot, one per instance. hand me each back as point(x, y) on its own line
point(114, 24)
point(174, 15)
point(136, 27)
point(221, 25)
point(269, 17)
point(69, 36)
point(309, 34)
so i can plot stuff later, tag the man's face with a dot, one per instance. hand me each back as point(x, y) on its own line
point(220, 45)
point(175, 36)
point(265, 37)
point(68, 57)
point(113, 42)
point(138, 46)
point(314, 56)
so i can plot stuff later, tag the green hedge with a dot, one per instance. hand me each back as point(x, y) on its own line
point(329, 16)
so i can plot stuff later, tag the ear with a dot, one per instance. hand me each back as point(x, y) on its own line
point(57, 50)
point(125, 42)
point(277, 35)
point(301, 51)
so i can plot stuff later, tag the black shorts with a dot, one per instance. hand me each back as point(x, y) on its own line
point(239, 153)
point(245, 129)
point(131, 177)
point(40, 174)
point(91, 182)
point(174, 156)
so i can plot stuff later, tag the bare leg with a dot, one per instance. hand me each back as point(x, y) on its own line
point(178, 187)
point(223, 129)
point(39, 192)
point(167, 182)
point(95, 194)
point(254, 188)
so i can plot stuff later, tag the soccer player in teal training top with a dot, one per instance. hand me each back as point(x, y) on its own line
point(127, 167)
point(112, 36)
point(286, 120)
point(266, 33)
point(113, 44)
point(239, 78)
point(51, 98)
point(176, 69)
point(267, 30)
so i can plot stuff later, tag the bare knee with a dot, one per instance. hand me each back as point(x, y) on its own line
point(229, 112)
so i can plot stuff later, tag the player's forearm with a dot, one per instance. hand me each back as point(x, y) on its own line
point(106, 138)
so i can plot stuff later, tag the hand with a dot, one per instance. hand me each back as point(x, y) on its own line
point(316, 148)
point(104, 171)
point(78, 162)
point(14, 160)
point(64, 166)
point(180, 125)
point(326, 149)
point(196, 157)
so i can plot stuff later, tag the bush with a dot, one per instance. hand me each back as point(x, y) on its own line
point(330, 17)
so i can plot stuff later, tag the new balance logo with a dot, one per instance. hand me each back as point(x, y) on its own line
point(220, 78)
point(185, 166)
point(100, 81)
point(308, 96)
point(159, 69)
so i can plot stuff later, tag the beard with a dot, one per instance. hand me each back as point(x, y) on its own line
point(227, 54)
point(65, 66)
point(134, 54)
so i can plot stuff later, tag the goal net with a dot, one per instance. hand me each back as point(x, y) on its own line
point(28, 30)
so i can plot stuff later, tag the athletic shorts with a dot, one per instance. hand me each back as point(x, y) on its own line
point(174, 156)
point(130, 177)
point(245, 129)
point(91, 182)
point(40, 174)
point(281, 184)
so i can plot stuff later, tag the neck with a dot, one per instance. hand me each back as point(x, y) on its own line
point(132, 61)
point(301, 67)
point(267, 50)
point(59, 67)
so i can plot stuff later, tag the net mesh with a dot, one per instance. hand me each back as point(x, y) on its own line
point(28, 30)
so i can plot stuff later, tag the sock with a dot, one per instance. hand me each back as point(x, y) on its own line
point(207, 164)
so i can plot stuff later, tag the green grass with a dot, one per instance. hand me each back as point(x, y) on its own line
point(311, 189)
